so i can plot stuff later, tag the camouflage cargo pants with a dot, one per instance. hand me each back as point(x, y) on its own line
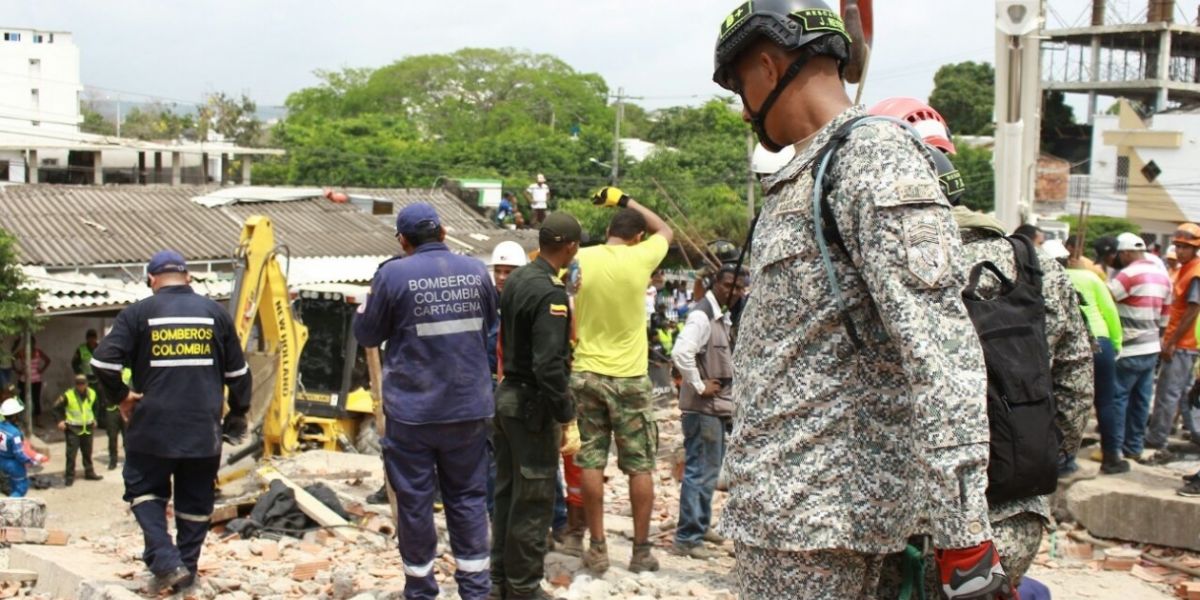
point(765, 574)
point(619, 409)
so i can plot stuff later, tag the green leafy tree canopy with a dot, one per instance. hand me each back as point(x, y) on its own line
point(964, 93)
point(18, 304)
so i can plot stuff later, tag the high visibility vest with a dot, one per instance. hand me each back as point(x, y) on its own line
point(85, 359)
point(79, 411)
point(127, 379)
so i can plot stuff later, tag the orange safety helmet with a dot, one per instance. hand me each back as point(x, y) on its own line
point(1187, 234)
point(927, 121)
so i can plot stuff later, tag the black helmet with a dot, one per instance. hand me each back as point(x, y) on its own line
point(948, 176)
point(791, 24)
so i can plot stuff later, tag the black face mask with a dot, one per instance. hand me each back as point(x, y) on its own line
point(758, 119)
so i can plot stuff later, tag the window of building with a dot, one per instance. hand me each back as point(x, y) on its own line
point(49, 162)
point(51, 38)
point(1122, 182)
point(34, 98)
point(12, 37)
point(37, 38)
point(35, 123)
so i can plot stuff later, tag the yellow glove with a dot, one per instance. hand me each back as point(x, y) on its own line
point(609, 197)
point(570, 439)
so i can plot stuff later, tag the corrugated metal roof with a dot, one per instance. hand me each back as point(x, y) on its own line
point(75, 226)
point(68, 291)
point(467, 228)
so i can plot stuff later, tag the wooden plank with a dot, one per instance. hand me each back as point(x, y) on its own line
point(312, 507)
point(375, 372)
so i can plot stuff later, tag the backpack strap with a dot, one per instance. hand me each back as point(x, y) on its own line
point(823, 220)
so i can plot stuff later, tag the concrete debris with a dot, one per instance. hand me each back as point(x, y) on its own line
point(22, 512)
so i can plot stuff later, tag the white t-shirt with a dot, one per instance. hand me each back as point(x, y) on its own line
point(539, 193)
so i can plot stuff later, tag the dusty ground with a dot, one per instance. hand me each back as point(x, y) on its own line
point(233, 569)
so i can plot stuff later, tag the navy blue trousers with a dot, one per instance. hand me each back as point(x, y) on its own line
point(452, 457)
point(148, 488)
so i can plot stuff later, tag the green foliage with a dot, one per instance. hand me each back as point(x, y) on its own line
point(510, 114)
point(232, 118)
point(975, 164)
point(964, 94)
point(156, 122)
point(1098, 227)
point(18, 305)
point(94, 122)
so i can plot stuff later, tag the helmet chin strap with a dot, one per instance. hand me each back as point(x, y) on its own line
point(758, 119)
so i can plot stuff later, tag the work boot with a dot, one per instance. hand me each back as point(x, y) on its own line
point(696, 551)
point(596, 557)
point(92, 476)
point(642, 559)
point(572, 539)
point(537, 594)
point(973, 573)
point(379, 496)
point(1191, 490)
point(168, 580)
point(711, 536)
point(1113, 464)
point(69, 481)
point(112, 465)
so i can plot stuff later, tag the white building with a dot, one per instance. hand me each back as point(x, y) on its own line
point(1144, 170)
point(39, 89)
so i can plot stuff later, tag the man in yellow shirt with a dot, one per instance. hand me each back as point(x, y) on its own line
point(609, 376)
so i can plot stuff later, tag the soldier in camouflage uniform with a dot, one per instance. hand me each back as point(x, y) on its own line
point(857, 428)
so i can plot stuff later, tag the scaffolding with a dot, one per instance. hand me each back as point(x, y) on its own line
point(1152, 58)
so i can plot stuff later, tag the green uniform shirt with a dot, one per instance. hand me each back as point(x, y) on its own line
point(535, 333)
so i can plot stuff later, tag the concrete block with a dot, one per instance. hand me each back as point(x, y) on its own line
point(1139, 506)
point(22, 512)
point(70, 572)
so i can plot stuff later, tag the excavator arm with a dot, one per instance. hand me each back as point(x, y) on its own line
point(261, 296)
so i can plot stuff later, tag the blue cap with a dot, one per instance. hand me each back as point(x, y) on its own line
point(417, 218)
point(166, 261)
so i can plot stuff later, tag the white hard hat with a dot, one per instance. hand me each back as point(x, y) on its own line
point(1055, 249)
point(765, 162)
point(1130, 242)
point(11, 407)
point(509, 253)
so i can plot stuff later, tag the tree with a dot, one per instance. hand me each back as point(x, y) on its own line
point(1098, 227)
point(231, 118)
point(964, 94)
point(156, 122)
point(978, 174)
point(94, 122)
point(18, 303)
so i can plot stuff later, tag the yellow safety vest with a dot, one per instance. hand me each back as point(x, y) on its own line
point(127, 379)
point(79, 413)
point(85, 359)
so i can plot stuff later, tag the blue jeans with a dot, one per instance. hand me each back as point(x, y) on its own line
point(1131, 401)
point(1105, 362)
point(704, 445)
point(1170, 398)
point(18, 480)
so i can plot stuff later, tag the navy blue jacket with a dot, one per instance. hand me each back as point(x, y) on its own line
point(183, 350)
point(434, 309)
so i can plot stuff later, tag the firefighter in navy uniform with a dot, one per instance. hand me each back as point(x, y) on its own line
point(533, 408)
point(184, 351)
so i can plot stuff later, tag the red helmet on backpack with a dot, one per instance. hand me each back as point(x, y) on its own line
point(921, 116)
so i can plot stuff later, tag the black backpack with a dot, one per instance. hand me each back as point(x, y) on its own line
point(1020, 402)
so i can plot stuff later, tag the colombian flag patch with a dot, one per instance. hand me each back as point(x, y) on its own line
point(558, 310)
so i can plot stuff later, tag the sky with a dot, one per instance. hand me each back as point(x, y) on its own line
point(657, 50)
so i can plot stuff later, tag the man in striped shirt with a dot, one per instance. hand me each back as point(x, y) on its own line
point(1142, 291)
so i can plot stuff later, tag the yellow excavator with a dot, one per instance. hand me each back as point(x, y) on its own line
point(317, 397)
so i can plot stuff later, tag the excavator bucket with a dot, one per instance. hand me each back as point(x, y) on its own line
point(859, 20)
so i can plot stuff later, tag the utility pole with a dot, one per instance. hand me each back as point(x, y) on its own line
point(751, 183)
point(616, 157)
point(118, 116)
point(1018, 102)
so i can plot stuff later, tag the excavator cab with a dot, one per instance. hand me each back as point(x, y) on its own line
point(333, 367)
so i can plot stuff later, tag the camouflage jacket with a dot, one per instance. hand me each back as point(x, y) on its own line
point(832, 444)
point(1067, 334)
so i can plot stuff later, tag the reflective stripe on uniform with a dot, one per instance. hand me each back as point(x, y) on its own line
point(99, 364)
point(182, 362)
point(419, 570)
point(145, 498)
point(473, 565)
point(238, 373)
point(449, 327)
point(191, 517)
point(180, 321)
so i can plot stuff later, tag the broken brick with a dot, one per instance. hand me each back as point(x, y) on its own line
point(307, 570)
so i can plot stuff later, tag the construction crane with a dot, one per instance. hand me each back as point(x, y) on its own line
point(327, 413)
